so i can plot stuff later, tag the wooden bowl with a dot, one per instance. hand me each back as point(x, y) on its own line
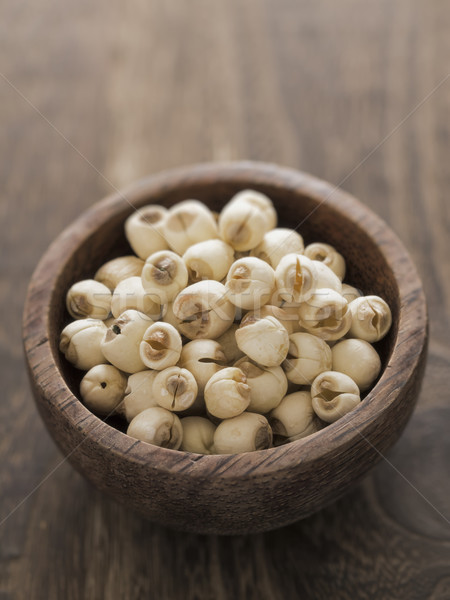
point(251, 492)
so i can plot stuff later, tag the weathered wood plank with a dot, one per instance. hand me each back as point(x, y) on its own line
point(149, 85)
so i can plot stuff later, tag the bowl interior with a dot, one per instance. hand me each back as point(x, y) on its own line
point(367, 267)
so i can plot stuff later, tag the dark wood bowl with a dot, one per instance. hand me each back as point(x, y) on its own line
point(249, 492)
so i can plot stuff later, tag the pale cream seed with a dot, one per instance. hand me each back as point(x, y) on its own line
point(296, 278)
point(144, 230)
point(227, 393)
point(103, 388)
point(161, 346)
point(264, 340)
point(308, 356)
point(294, 416)
point(276, 244)
point(116, 270)
point(89, 299)
point(138, 394)
point(334, 395)
point(357, 359)
point(175, 389)
point(326, 314)
point(203, 358)
point(243, 223)
point(203, 310)
point(130, 294)
point(80, 342)
point(188, 223)
point(250, 283)
point(157, 426)
point(350, 293)
point(328, 255)
point(268, 385)
point(164, 275)
point(247, 432)
point(371, 318)
point(210, 259)
point(120, 344)
point(198, 435)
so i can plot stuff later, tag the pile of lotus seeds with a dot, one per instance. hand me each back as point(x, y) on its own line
point(225, 334)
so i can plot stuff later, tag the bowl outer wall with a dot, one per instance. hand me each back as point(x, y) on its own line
point(236, 493)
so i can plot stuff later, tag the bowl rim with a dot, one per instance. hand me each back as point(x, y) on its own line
point(410, 339)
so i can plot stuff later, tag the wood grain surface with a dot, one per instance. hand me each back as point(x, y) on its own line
point(95, 95)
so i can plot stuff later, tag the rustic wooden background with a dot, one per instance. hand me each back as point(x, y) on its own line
point(96, 94)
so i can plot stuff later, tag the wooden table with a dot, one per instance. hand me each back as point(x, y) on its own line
point(94, 95)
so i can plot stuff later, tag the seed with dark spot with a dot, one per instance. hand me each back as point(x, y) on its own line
point(151, 216)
